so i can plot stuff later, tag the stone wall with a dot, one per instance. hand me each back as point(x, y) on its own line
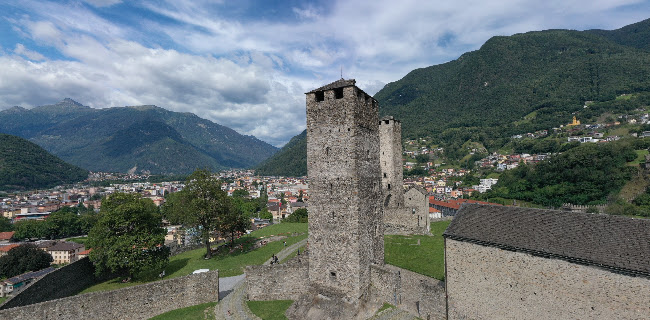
point(286, 281)
point(62, 282)
point(410, 218)
point(418, 294)
point(490, 283)
point(137, 302)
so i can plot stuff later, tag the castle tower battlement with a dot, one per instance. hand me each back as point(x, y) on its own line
point(345, 214)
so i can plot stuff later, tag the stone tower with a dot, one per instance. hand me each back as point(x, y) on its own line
point(345, 214)
point(390, 139)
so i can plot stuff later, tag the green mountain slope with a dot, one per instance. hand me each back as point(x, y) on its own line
point(290, 161)
point(148, 138)
point(484, 95)
point(552, 72)
point(25, 165)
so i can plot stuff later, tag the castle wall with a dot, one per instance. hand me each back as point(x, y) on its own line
point(137, 302)
point(491, 283)
point(286, 281)
point(345, 229)
point(418, 294)
point(411, 217)
point(62, 282)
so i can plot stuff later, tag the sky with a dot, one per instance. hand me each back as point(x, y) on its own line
point(247, 64)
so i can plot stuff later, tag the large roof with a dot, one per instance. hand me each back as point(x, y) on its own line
point(615, 243)
point(336, 84)
point(6, 235)
point(65, 246)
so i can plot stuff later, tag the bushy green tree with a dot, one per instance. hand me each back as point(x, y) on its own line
point(26, 257)
point(128, 237)
point(300, 215)
point(29, 229)
point(202, 204)
point(5, 224)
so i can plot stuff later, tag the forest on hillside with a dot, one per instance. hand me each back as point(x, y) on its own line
point(24, 165)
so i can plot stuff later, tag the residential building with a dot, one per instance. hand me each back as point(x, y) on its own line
point(65, 252)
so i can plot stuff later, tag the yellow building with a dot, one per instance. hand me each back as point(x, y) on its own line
point(575, 122)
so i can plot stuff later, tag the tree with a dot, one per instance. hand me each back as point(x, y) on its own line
point(26, 257)
point(5, 224)
point(234, 221)
point(201, 203)
point(128, 238)
point(29, 229)
point(300, 215)
point(62, 223)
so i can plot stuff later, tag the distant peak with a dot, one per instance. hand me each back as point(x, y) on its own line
point(144, 107)
point(70, 101)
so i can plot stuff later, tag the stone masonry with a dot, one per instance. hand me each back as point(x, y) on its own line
point(402, 213)
point(137, 302)
point(390, 138)
point(345, 216)
point(492, 283)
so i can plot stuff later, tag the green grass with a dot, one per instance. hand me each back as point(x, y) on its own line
point(428, 258)
point(270, 310)
point(385, 306)
point(81, 240)
point(494, 175)
point(229, 264)
point(197, 312)
point(640, 157)
point(3, 299)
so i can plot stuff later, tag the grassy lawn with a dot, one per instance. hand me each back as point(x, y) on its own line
point(427, 258)
point(640, 157)
point(228, 263)
point(270, 310)
point(81, 240)
point(197, 312)
point(3, 299)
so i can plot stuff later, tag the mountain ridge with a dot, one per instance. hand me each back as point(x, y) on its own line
point(81, 135)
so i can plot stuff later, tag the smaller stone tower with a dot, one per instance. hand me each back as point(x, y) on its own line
point(390, 158)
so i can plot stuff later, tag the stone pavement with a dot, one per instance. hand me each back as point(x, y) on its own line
point(233, 306)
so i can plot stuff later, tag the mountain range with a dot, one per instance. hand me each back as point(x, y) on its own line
point(511, 85)
point(25, 165)
point(136, 139)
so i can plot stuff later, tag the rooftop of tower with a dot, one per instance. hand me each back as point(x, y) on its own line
point(341, 83)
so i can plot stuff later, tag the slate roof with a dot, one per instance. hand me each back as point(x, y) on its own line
point(341, 83)
point(619, 244)
point(65, 246)
point(29, 275)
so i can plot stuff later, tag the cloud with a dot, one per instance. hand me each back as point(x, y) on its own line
point(32, 55)
point(236, 66)
point(103, 3)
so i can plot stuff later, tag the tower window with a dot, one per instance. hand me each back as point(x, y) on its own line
point(386, 121)
point(320, 96)
point(389, 186)
point(384, 174)
point(332, 274)
point(338, 93)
